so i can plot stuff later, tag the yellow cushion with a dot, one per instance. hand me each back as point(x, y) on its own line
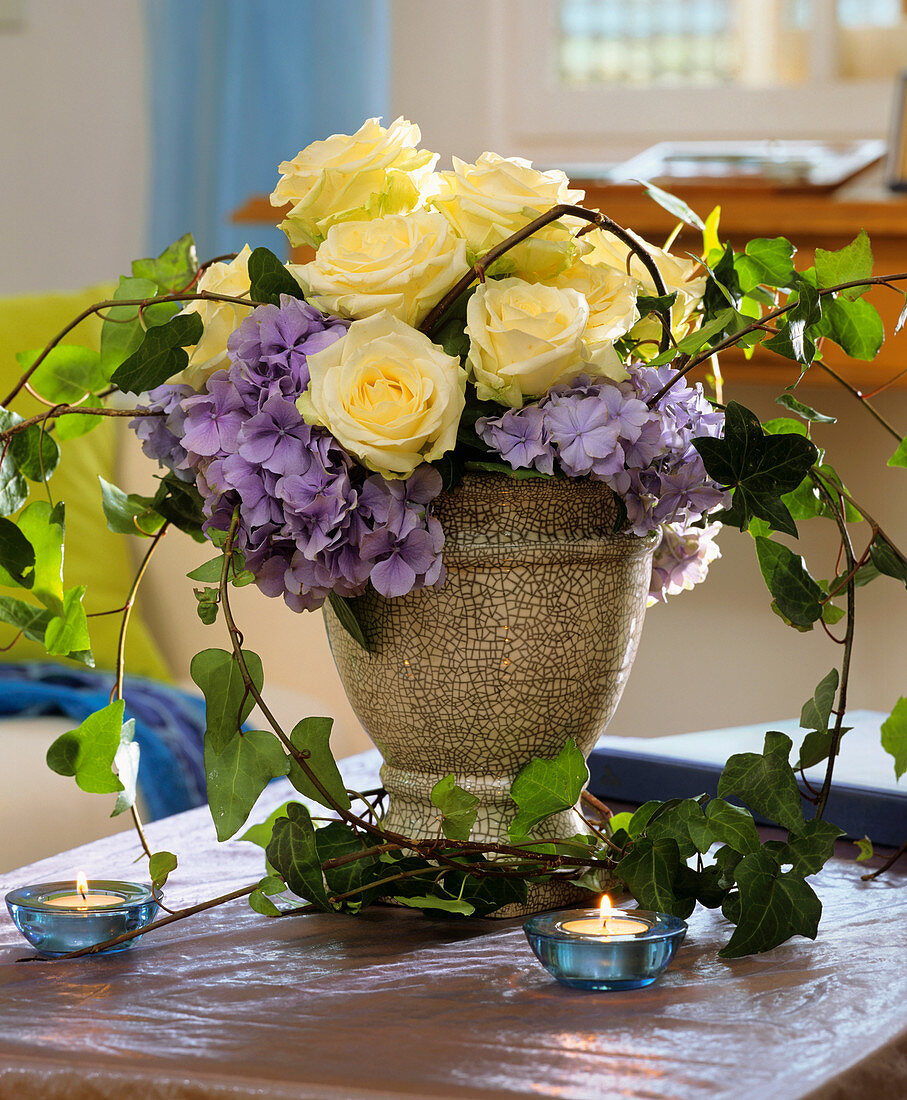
point(95, 556)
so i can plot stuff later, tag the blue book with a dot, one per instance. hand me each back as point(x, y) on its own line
point(866, 798)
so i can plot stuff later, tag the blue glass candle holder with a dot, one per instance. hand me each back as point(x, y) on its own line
point(604, 962)
point(56, 929)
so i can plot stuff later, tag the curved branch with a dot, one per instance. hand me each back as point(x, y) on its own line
point(596, 220)
point(730, 341)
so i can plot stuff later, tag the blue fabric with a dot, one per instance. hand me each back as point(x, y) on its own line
point(169, 724)
point(236, 87)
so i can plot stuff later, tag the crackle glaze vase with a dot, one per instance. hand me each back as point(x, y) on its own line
point(527, 643)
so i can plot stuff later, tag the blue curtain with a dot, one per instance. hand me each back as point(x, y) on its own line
point(237, 86)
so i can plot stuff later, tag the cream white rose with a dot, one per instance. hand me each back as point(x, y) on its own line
point(525, 337)
point(388, 394)
point(400, 263)
point(219, 318)
point(611, 298)
point(678, 273)
point(350, 177)
point(487, 201)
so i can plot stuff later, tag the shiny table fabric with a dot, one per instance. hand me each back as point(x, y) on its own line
point(229, 1004)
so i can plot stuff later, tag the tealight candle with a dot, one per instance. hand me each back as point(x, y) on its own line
point(611, 922)
point(82, 899)
point(594, 949)
point(59, 917)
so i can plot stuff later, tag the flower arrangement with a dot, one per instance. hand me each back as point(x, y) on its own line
point(320, 416)
point(478, 320)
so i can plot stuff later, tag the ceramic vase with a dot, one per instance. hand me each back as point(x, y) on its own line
point(528, 642)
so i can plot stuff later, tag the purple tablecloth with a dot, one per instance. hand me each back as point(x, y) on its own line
point(232, 1005)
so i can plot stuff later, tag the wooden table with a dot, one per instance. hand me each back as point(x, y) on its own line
point(391, 1004)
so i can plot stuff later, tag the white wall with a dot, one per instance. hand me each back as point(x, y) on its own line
point(73, 135)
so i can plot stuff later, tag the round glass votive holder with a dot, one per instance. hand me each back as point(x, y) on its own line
point(55, 930)
point(604, 962)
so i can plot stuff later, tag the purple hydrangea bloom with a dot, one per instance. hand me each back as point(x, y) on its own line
point(607, 431)
point(519, 437)
point(682, 559)
point(161, 436)
point(270, 347)
point(213, 418)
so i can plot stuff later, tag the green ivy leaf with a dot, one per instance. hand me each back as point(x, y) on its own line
point(181, 503)
point(36, 453)
point(207, 605)
point(160, 866)
point(31, 620)
point(675, 206)
point(767, 261)
point(68, 633)
point(545, 787)
point(88, 751)
point(696, 340)
point(217, 674)
point(865, 846)
point(759, 467)
point(485, 894)
point(733, 826)
point(812, 849)
point(457, 806)
point(128, 514)
point(806, 411)
point(773, 906)
point(766, 783)
point(173, 269)
point(312, 736)
point(66, 374)
point(685, 821)
point(621, 821)
point(798, 596)
point(73, 425)
point(160, 355)
point(854, 326)
point(123, 330)
point(210, 572)
point(261, 903)
point(816, 711)
point(886, 559)
point(17, 555)
point(334, 841)
point(294, 854)
point(894, 736)
point(428, 901)
point(126, 763)
point(238, 774)
point(261, 832)
point(650, 871)
point(655, 303)
point(269, 278)
point(44, 527)
point(793, 340)
point(13, 487)
point(344, 608)
point(899, 458)
point(853, 261)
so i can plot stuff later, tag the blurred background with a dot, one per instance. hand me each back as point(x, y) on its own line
point(126, 123)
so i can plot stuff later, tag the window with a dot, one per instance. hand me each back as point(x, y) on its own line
point(713, 42)
point(602, 79)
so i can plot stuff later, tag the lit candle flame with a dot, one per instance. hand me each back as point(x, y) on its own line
point(605, 911)
point(82, 886)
